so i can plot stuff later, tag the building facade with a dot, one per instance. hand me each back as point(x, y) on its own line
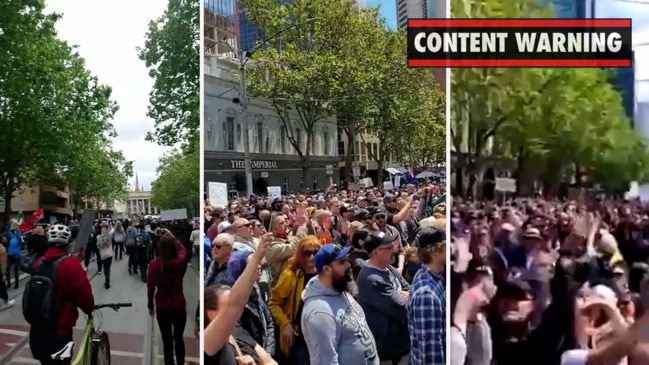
point(275, 161)
point(414, 9)
point(363, 156)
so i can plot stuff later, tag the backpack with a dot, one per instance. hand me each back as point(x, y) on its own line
point(40, 305)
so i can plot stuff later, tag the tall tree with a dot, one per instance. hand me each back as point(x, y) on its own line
point(50, 106)
point(177, 184)
point(172, 53)
point(305, 73)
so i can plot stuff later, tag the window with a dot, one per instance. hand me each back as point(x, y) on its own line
point(282, 139)
point(228, 134)
point(266, 140)
point(315, 182)
point(315, 144)
point(298, 138)
point(239, 134)
point(260, 137)
point(375, 151)
point(326, 140)
point(341, 142)
point(363, 149)
point(285, 184)
point(357, 151)
point(209, 133)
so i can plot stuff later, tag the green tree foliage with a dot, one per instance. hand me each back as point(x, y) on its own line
point(346, 63)
point(171, 52)
point(177, 184)
point(51, 108)
point(556, 123)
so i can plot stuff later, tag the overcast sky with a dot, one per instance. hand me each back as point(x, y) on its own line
point(107, 33)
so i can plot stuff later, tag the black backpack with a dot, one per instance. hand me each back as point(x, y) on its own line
point(40, 305)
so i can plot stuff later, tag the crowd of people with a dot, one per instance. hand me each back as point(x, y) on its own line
point(158, 253)
point(339, 277)
point(548, 282)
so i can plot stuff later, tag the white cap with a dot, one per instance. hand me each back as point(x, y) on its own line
point(224, 226)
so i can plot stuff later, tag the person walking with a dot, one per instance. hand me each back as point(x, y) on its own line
point(106, 253)
point(166, 299)
point(131, 235)
point(119, 237)
point(14, 253)
point(3, 273)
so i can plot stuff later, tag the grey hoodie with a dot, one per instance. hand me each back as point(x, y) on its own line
point(335, 328)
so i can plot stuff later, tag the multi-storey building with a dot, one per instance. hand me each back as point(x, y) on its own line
point(275, 161)
point(363, 156)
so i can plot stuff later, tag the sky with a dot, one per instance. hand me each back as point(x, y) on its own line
point(639, 13)
point(107, 33)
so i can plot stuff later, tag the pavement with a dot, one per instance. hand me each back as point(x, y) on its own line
point(133, 335)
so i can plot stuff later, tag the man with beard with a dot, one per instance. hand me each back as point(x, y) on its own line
point(333, 323)
point(281, 249)
point(427, 303)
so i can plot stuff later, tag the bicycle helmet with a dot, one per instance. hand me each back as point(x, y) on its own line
point(59, 233)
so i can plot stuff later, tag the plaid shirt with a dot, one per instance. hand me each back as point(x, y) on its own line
point(427, 319)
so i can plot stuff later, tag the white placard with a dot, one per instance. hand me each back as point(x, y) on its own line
point(274, 192)
point(506, 184)
point(173, 214)
point(217, 193)
point(387, 185)
point(356, 171)
point(330, 169)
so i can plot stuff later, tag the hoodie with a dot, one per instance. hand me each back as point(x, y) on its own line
point(335, 328)
point(15, 242)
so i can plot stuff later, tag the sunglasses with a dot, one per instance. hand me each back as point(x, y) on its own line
point(244, 225)
point(217, 246)
point(310, 253)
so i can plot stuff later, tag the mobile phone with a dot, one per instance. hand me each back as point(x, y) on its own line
point(271, 225)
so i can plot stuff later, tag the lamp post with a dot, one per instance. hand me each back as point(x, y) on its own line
point(243, 60)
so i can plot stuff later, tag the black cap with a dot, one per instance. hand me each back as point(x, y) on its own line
point(362, 214)
point(359, 237)
point(429, 236)
point(344, 208)
point(516, 288)
point(374, 240)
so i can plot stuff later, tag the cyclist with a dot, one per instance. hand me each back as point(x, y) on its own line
point(73, 291)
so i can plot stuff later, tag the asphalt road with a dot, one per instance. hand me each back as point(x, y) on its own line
point(133, 334)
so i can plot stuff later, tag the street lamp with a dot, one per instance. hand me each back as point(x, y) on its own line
point(244, 56)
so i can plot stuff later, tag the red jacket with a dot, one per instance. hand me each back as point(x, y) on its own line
point(165, 282)
point(73, 290)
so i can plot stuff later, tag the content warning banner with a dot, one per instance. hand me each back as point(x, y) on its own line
point(519, 43)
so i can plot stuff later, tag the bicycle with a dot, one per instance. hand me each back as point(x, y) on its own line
point(95, 348)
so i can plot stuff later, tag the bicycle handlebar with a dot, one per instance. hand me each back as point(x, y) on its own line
point(113, 306)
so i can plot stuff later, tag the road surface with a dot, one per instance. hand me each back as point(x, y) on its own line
point(134, 336)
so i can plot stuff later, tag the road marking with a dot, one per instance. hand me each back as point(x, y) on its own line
point(187, 359)
point(125, 354)
point(13, 332)
point(25, 360)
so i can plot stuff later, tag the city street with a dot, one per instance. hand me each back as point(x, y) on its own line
point(134, 336)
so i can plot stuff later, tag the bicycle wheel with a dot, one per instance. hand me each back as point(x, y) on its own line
point(100, 349)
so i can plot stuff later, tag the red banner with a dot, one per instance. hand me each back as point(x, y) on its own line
point(30, 222)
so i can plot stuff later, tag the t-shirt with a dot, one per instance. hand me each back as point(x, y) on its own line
point(246, 343)
point(224, 357)
point(579, 357)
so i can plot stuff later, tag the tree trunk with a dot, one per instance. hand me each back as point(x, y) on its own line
point(305, 171)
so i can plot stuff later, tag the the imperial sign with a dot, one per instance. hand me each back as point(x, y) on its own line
point(256, 165)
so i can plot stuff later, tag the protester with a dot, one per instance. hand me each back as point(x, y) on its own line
point(549, 282)
point(330, 273)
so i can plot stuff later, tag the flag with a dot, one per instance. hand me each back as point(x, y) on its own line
point(29, 224)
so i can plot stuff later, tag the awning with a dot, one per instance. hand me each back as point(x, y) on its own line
point(393, 171)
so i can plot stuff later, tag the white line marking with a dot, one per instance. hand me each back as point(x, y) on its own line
point(187, 359)
point(124, 354)
point(25, 360)
point(13, 332)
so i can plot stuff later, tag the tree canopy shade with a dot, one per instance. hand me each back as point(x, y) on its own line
point(172, 54)
point(52, 110)
point(556, 123)
point(178, 181)
point(327, 57)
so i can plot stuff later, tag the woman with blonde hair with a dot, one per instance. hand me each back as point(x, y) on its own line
point(286, 299)
point(106, 253)
point(119, 237)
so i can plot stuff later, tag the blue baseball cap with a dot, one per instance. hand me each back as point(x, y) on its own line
point(330, 253)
